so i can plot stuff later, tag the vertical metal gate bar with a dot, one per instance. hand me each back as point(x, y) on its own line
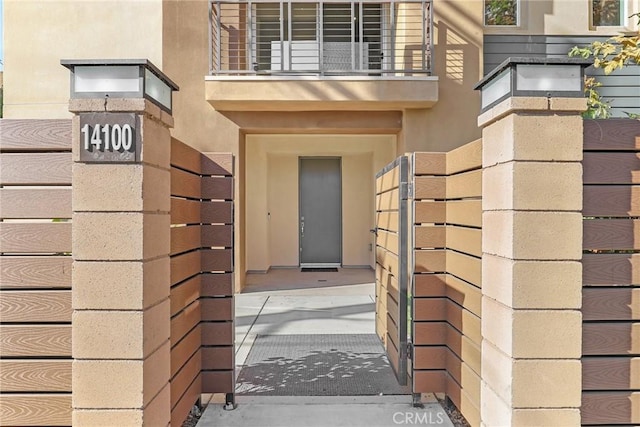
point(249, 18)
point(210, 38)
point(403, 269)
point(424, 26)
point(430, 29)
point(353, 37)
point(281, 35)
point(290, 36)
point(320, 32)
point(360, 43)
point(392, 13)
point(219, 35)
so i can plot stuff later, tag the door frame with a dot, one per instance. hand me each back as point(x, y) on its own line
point(318, 265)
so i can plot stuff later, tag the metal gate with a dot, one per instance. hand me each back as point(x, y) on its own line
point(392, 269)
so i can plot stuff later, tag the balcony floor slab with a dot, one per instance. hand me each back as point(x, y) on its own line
point(327, 93)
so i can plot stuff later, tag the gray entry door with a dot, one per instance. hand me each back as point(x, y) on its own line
point(320, 212)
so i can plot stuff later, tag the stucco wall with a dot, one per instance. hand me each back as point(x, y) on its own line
point(38, 34)
point(272, 193)
point(174, 35)
point(562, 17)
point(458, 64)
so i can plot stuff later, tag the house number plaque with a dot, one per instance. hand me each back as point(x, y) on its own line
point(109, 138)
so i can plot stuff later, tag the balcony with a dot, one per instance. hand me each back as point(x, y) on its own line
point(320, 55)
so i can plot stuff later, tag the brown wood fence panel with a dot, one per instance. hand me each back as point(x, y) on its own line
point(36, 168)
point(611, 273)
point(447, 260)
point(35, 409)
point(612, 373)
point(32, 203)
point(35, 135)
point(217, 271)
point(36, 306)
point(36, 375)
point(201, 276)
point(50, 237)
point(387, 263)
point(35, 272)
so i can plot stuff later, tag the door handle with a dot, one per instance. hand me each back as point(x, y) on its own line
point(374, 231)
point(302, 228)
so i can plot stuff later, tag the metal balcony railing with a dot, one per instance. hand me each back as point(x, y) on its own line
point(321, 37)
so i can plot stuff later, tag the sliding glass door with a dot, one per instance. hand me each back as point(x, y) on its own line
point(337, 37)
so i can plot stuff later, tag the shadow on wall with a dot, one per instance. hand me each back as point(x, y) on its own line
point(458, 65)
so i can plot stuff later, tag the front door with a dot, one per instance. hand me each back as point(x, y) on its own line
point(320, 212)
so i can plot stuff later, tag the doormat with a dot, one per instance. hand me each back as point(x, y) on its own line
point(319, 270)
point(318, 365)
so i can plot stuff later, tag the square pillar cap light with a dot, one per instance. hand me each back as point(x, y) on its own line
point(533, 77)
point(120, 78)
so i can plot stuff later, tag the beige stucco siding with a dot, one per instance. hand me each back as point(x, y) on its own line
point(38, 34)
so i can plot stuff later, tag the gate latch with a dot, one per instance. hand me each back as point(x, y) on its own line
point(406, 190)
point(409, 350)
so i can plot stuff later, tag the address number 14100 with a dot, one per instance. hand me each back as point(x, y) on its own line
point(107, 137)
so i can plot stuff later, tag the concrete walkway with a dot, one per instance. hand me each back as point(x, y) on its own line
point(278, 411)
point(287, 302)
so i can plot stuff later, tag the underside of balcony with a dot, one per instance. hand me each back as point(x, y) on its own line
point(312, 93)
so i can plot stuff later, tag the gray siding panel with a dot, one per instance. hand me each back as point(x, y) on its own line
point(617, 91)
point(622, 87)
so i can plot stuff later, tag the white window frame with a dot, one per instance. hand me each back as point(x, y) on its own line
point(624, 17)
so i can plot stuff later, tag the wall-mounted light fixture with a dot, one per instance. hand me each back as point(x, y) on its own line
point(120, 78)
point(546, 77)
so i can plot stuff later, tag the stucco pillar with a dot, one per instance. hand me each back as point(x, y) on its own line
point(531, 270)
point(121, 274)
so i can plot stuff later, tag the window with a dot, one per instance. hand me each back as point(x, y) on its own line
point(501, 12)
point(607, 13)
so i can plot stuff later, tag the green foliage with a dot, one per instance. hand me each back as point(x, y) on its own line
point(610, 55)
point(597, 107)
point(501, 12)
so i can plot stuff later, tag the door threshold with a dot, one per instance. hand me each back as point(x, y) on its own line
point(320, 265)
point(319, 270)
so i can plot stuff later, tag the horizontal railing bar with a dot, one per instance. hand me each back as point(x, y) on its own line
point(413, 71)
point(299, 37)
point(235, 2)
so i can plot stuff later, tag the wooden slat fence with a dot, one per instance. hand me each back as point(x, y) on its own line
point(391, 273)
point(35, 272)
point(447, 219)
point(202, 350)
point(611, 273)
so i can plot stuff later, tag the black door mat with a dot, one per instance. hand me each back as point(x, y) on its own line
point(319, 270)
point(318, 365)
